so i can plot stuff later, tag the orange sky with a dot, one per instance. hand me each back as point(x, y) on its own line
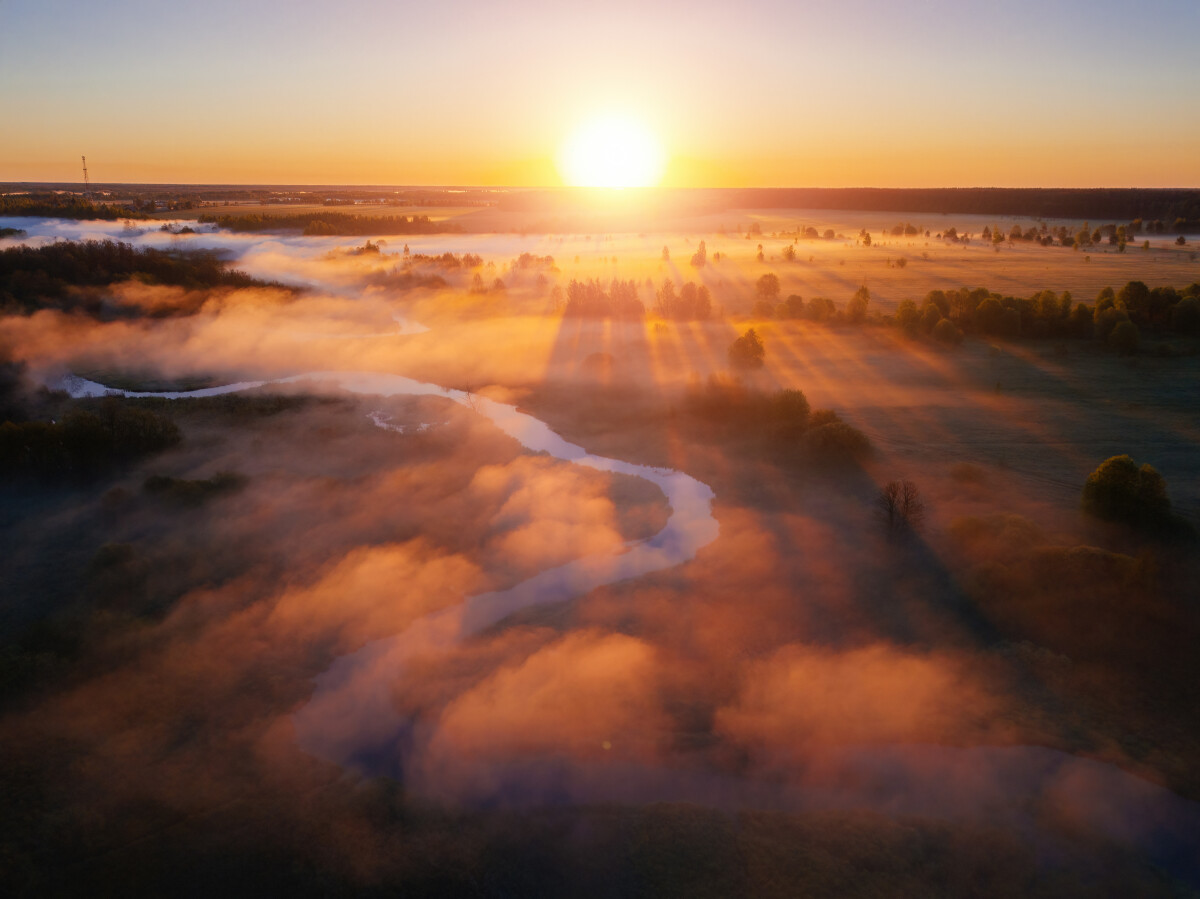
point(771, 93)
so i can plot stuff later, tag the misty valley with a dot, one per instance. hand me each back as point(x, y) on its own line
point(548, 548)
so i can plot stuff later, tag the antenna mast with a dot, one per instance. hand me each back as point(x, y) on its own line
point(87, 185)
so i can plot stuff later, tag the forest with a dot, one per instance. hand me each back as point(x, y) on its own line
point(49, 276)
point(321, 224)
point(66, 206)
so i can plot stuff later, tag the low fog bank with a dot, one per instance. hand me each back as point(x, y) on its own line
point(1009, 667)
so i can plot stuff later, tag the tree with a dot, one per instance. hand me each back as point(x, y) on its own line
point(945, 331)
point(792, 307)
point(700, 257)
point(1081, 323)
point(768, 286)
point(865, 237)
point(1124, 338)
point(900, 505)
point(788, 413)
point(1120, 490)
point(1185, 317)
point(666, 254)
point(666, 301)
point(1134, 297)
point(907, 317)
point(835, 442)
point(856, 309)
point(931, 314)
point(747, 351)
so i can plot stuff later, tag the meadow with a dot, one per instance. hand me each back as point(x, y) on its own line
point(994, 697)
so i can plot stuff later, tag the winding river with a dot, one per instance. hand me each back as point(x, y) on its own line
point(351, 720)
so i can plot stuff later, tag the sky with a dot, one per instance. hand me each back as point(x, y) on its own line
point(467, 92)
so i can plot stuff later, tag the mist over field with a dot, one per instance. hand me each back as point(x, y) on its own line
point(586, 594)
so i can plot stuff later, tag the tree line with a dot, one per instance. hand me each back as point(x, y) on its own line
point(620, 299)
point(64, 206)
point(781, 420)
point(1117, 318)
point(592, 299)
point(321, 224)
point(91, 436)
point(51, 276)
point(1097, 204)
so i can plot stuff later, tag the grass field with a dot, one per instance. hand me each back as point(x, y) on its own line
point(165, 638)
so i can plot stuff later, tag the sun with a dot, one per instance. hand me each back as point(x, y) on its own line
point(612, 152)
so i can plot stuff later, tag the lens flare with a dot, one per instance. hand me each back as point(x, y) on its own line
point(612, 152)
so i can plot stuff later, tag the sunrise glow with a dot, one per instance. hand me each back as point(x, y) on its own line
point(612, 152)
point(599, 450)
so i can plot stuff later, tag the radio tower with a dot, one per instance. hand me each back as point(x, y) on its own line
point(87, 185)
